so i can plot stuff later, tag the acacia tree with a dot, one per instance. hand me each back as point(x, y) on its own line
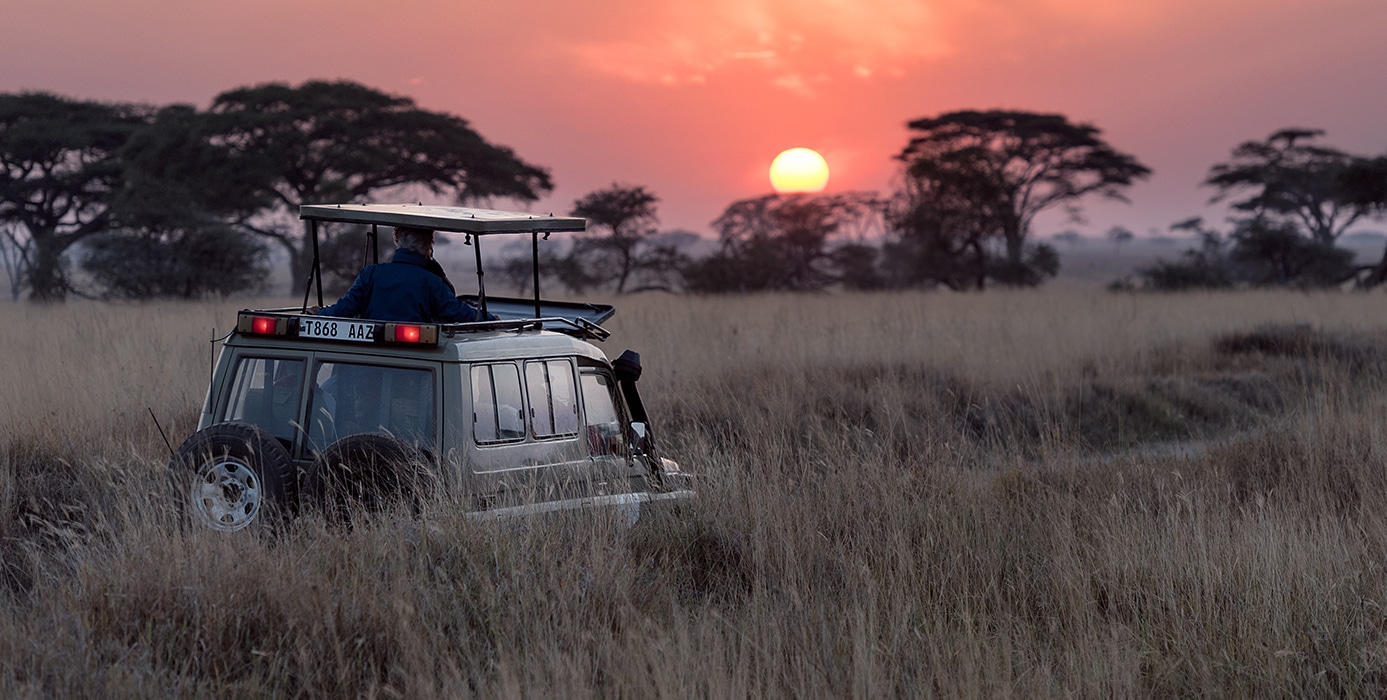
point(628, 214)
point(1120, 236)
point(58, 167)
point(1288, 178)
point(941, 228)
point(780, 242)
point(622, 248)
point(1019, 164)
point(324, 142)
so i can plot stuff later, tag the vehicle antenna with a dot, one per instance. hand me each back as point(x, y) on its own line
point(161, 432)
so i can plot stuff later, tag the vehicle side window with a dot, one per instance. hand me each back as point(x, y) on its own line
point(265, 393)
point(497, 404)
point(351, 398)
point(603, 431)
point(553, 403)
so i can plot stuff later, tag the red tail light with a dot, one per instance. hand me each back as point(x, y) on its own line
point(261, 325)
point(411, 333)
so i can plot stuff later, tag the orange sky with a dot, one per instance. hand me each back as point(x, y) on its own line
point(693, 98)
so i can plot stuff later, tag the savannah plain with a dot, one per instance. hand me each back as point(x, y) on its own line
point(1056, 493)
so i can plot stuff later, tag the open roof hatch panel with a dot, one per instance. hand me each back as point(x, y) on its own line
point(514, 309)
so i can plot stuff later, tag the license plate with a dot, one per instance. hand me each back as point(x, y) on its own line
point(327, 329)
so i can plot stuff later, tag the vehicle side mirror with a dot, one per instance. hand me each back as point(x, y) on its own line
point(638, 437)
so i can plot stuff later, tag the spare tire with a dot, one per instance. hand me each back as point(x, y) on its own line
point(232, 475)
point(367, 473)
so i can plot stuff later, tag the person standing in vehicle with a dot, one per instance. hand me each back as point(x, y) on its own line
point(410, 288)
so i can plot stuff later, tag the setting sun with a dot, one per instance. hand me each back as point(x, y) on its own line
point(799, 170)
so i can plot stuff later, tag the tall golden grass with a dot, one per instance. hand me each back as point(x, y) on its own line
point(1003, 494)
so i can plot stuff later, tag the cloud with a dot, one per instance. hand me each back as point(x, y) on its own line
point(681, 42)
point(686, 41)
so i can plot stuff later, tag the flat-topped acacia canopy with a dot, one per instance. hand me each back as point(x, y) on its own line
point(450, 219)
point(465, 220)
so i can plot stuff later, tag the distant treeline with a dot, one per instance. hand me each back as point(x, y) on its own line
point(180, 202)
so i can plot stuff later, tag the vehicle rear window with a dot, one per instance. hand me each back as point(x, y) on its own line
point(553, 403)
point(351, 398)
point(497, 406)
point(265, 393)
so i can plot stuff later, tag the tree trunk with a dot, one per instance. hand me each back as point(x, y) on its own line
point(1016, 248)
point(980, 264)
point(626, 265)
point(45, 274)
point(300, 259)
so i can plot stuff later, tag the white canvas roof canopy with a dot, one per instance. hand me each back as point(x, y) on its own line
point(473, 223)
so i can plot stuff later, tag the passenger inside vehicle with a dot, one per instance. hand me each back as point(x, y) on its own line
point(411, 288)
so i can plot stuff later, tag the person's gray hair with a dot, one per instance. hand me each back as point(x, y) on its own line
point(418, 240)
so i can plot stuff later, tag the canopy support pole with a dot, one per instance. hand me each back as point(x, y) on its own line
point(481, 284)
point(534, 247)
point(316, 272)
point(317, 264)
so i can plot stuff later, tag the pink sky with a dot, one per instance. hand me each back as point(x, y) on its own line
point(693, 98)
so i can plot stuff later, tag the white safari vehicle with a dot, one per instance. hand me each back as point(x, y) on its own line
point(512, 417)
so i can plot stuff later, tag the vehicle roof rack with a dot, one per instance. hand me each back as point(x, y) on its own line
point(471, 222)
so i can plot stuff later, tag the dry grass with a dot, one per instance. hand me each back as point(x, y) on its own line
point(983, 495)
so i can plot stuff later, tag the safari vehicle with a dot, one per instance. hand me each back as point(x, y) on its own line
point(515, 416)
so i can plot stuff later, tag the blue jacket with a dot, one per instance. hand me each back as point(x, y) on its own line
point(402, 290)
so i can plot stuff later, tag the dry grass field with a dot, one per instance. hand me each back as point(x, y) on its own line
point(1002, 494)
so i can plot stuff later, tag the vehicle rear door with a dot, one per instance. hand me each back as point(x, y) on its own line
point(351, 393)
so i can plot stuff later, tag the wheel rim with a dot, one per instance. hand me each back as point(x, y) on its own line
point(226, 494)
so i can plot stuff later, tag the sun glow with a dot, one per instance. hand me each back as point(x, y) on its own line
point(799, 170)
